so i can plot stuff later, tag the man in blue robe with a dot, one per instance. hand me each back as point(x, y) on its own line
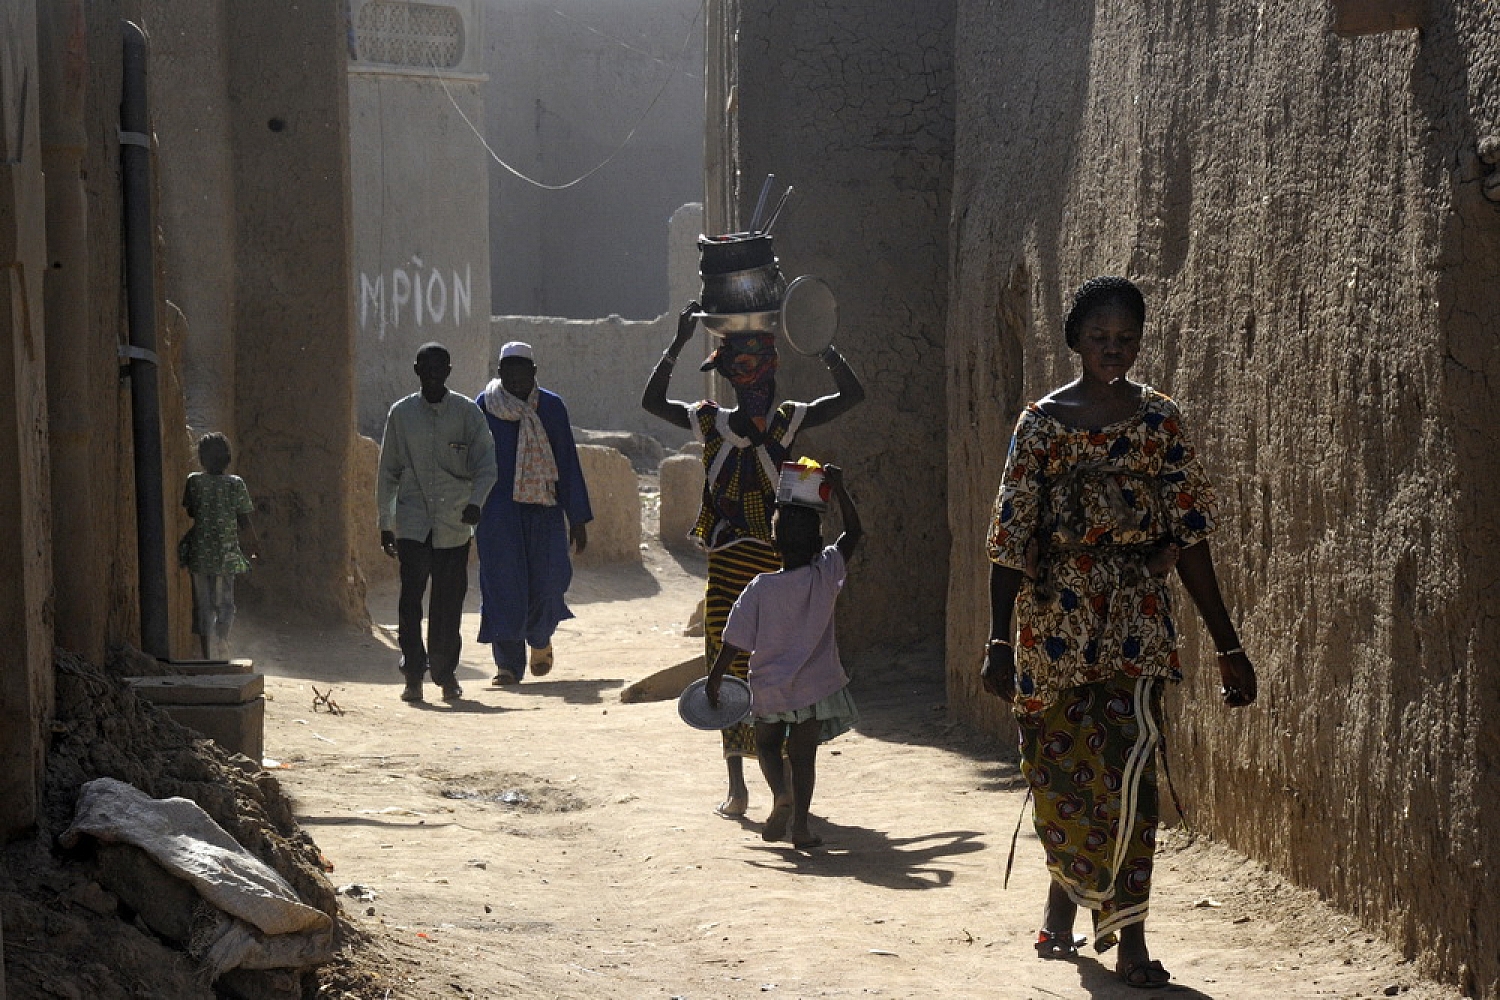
point(538, 508)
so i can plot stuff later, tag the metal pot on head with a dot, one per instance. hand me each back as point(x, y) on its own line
point(742, 283)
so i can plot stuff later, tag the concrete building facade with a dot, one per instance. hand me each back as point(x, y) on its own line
point(420, 194)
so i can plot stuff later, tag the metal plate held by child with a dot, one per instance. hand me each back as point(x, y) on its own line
point(733, 708)
point(809, 315)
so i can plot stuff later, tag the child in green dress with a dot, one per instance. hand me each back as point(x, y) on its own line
point(220, 507)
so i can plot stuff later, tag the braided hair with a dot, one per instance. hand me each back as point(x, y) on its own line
point(1097, 293)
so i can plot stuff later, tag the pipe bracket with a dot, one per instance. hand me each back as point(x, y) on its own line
point(139, 354)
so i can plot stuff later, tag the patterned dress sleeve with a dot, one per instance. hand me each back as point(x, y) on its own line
point(242, 502)
point(1187, 492)
point(1017, 510)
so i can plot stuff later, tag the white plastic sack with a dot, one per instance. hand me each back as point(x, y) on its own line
point(185, 840)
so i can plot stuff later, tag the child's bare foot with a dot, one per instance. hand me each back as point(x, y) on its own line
point(780, 816)
point(733, 806)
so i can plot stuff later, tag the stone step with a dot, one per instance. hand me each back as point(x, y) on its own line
point(199, 689)
point(195, 667)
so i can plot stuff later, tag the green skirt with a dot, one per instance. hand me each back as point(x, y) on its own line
point(1090, 759)
point(836, 712)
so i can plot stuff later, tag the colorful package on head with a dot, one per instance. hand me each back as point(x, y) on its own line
point(803, 483)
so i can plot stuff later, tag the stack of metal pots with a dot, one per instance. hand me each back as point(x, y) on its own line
point(742, 283)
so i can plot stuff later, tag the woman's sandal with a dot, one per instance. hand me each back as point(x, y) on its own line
point(1051, 944)
point(1145, 975)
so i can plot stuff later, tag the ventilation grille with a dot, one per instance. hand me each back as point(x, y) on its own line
point(410, 34)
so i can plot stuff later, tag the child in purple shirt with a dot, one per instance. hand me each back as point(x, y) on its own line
point(798, 686)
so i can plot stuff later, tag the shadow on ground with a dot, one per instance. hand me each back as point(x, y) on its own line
point(873, 857)
point(590, 692)
point(624, 582)
point(902, 697)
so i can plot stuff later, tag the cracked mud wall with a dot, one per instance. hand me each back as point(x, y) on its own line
point(852, 103)
point(1306, 216)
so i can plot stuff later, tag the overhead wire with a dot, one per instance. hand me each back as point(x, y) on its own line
point(613, 153)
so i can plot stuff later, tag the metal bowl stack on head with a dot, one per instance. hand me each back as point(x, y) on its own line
point(742, 284)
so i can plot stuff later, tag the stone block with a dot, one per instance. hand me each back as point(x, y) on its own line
point(681, 496)
point(237, 728)
point(204, 689)
point(667, 684)
point(643, 450)
point(227, 708)
point(615, 532)
point(196, 668)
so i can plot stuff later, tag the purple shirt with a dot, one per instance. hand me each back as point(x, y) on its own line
point(785, 620)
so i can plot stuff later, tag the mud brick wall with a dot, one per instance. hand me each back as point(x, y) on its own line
point(1308, 217)
point(852, 104)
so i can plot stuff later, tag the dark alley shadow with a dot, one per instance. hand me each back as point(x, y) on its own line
point(572, 692)
point(397, 823)
point(902, 697)
point(596, 584)
point(465, 704)
point(873, 857)
point(1002, 776)
point(1096, 976)
point(690, 561)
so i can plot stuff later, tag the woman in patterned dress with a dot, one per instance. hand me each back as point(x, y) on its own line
point(1102, 496)
point(743, 449)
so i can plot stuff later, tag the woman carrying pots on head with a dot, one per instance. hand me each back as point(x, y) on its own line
point(743, 449)
point(1102, 496)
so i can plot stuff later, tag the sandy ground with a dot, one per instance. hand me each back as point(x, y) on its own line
point(548, 840)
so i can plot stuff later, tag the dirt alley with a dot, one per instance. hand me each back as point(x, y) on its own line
point(548, 840)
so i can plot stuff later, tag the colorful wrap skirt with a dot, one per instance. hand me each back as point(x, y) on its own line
point(1090, 759)
point(730, 570)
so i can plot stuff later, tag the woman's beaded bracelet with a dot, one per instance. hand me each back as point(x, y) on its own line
point(1230, 652)
point(997, 642)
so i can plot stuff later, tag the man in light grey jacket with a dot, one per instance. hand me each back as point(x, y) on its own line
point(437, 465)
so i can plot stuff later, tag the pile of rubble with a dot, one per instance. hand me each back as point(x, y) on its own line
point(101, 920)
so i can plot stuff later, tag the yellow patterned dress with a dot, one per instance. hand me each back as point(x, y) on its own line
point(1079, 511)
